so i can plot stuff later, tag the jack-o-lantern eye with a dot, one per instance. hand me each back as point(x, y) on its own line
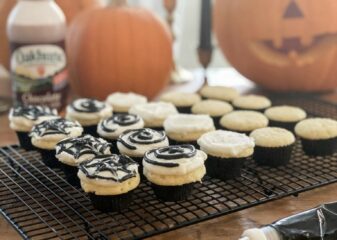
point(293, 10)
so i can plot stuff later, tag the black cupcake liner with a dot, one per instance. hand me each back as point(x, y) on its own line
point(71, 174)
point(25, 141)
point(272, 156)
point(224, 168)
point(261, 110)
point(49, 159)
point(139, 160)
point(157, 128)
point(319, 147)
point(237, 131)
point(174, 142)
point(91, 130)
point(216, 121)
point(173, 193)
point(186, 110)
point(286, 125)
point(113, 203)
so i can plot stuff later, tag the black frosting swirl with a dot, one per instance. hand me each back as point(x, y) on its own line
point(110, 163)
point(121, 119)
point(54, 126)
point(170, 153)
point(33, 112)
point(143, 136)
point(80, 146)
point(87, 105)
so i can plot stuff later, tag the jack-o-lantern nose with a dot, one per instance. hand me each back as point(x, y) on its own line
point(293, 10)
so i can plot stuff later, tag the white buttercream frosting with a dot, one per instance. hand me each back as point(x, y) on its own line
point(227, 144)
point(188, 123)
point(181, 99)
point(122, 102)
point(154, 113)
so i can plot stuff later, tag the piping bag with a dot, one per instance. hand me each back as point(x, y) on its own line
point(316, 224)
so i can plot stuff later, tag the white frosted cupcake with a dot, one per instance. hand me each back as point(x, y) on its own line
point(109, 181)
point(47, 134)
point(187, 128)
point(154, 113)
point(219, 93)
point(227, 151)
point(122, 102)
point(174, 170)
point(23, 118)
point(182, 101)
point(88, 112)
point(252, 102)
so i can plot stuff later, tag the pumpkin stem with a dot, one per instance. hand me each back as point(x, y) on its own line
point(118, 3)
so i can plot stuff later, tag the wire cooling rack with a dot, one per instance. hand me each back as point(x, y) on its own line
point(40, 204)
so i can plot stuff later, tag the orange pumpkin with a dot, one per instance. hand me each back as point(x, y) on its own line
point(280, 44)
point(118, 48)
point(70, 8)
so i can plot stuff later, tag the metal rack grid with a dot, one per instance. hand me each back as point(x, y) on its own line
point(40, 204)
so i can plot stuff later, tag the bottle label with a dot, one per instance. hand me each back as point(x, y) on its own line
point(39, 74)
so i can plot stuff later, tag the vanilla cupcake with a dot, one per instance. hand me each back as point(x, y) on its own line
point(109, 181)
point(187, 128)
point(122, 102)
point(285, 116)
point(112, 127)
point(215, 108)
point(252, 102)
point(273, 146)
point(182, 101)
point(243, 121)
point(227, 151)
point(318, 136)
point(47, 134)
point(72, 151)
point(88, 112)
point(23, 118)
point(222, 93)
point(174, 170)
point(154, 113)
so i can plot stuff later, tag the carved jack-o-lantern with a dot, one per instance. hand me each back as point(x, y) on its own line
point(280, 44)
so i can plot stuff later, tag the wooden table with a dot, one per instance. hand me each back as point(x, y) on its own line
point(228, 227)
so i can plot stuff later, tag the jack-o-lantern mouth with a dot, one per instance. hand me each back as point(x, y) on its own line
point(292, 50)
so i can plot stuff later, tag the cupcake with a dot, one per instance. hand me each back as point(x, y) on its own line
point(122, 102)
point(243, 121)
point(318, 136)
point(251, 102)
point(88, 113)
point(219, 93)
point(135, 143)
point(273, 146)
point(187, 128)
point(174, 170)
point(215, 108)
point(112, 127)
point(109, 181)
point(182, 101)
point(23, 118)
point(72, 151)
point(227, 151)
point(154, 113)
point(47, 134)
point(285, 116)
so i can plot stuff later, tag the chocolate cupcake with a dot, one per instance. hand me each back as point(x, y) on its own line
point(273, 146)
point(285, 116)
point(72, 151)
point(23, 118)
point(135, 143)
point(46, 135)
point(318, 136)
point(221, 93)
point(122, 102)
point(88, 112)
point(112, 127)
point(252, 102)
point(182, 101)
point(154, 113)
point(243, 121)
point(109, 181)
point(215, 108)
point(227, 151)
point(174, 170)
